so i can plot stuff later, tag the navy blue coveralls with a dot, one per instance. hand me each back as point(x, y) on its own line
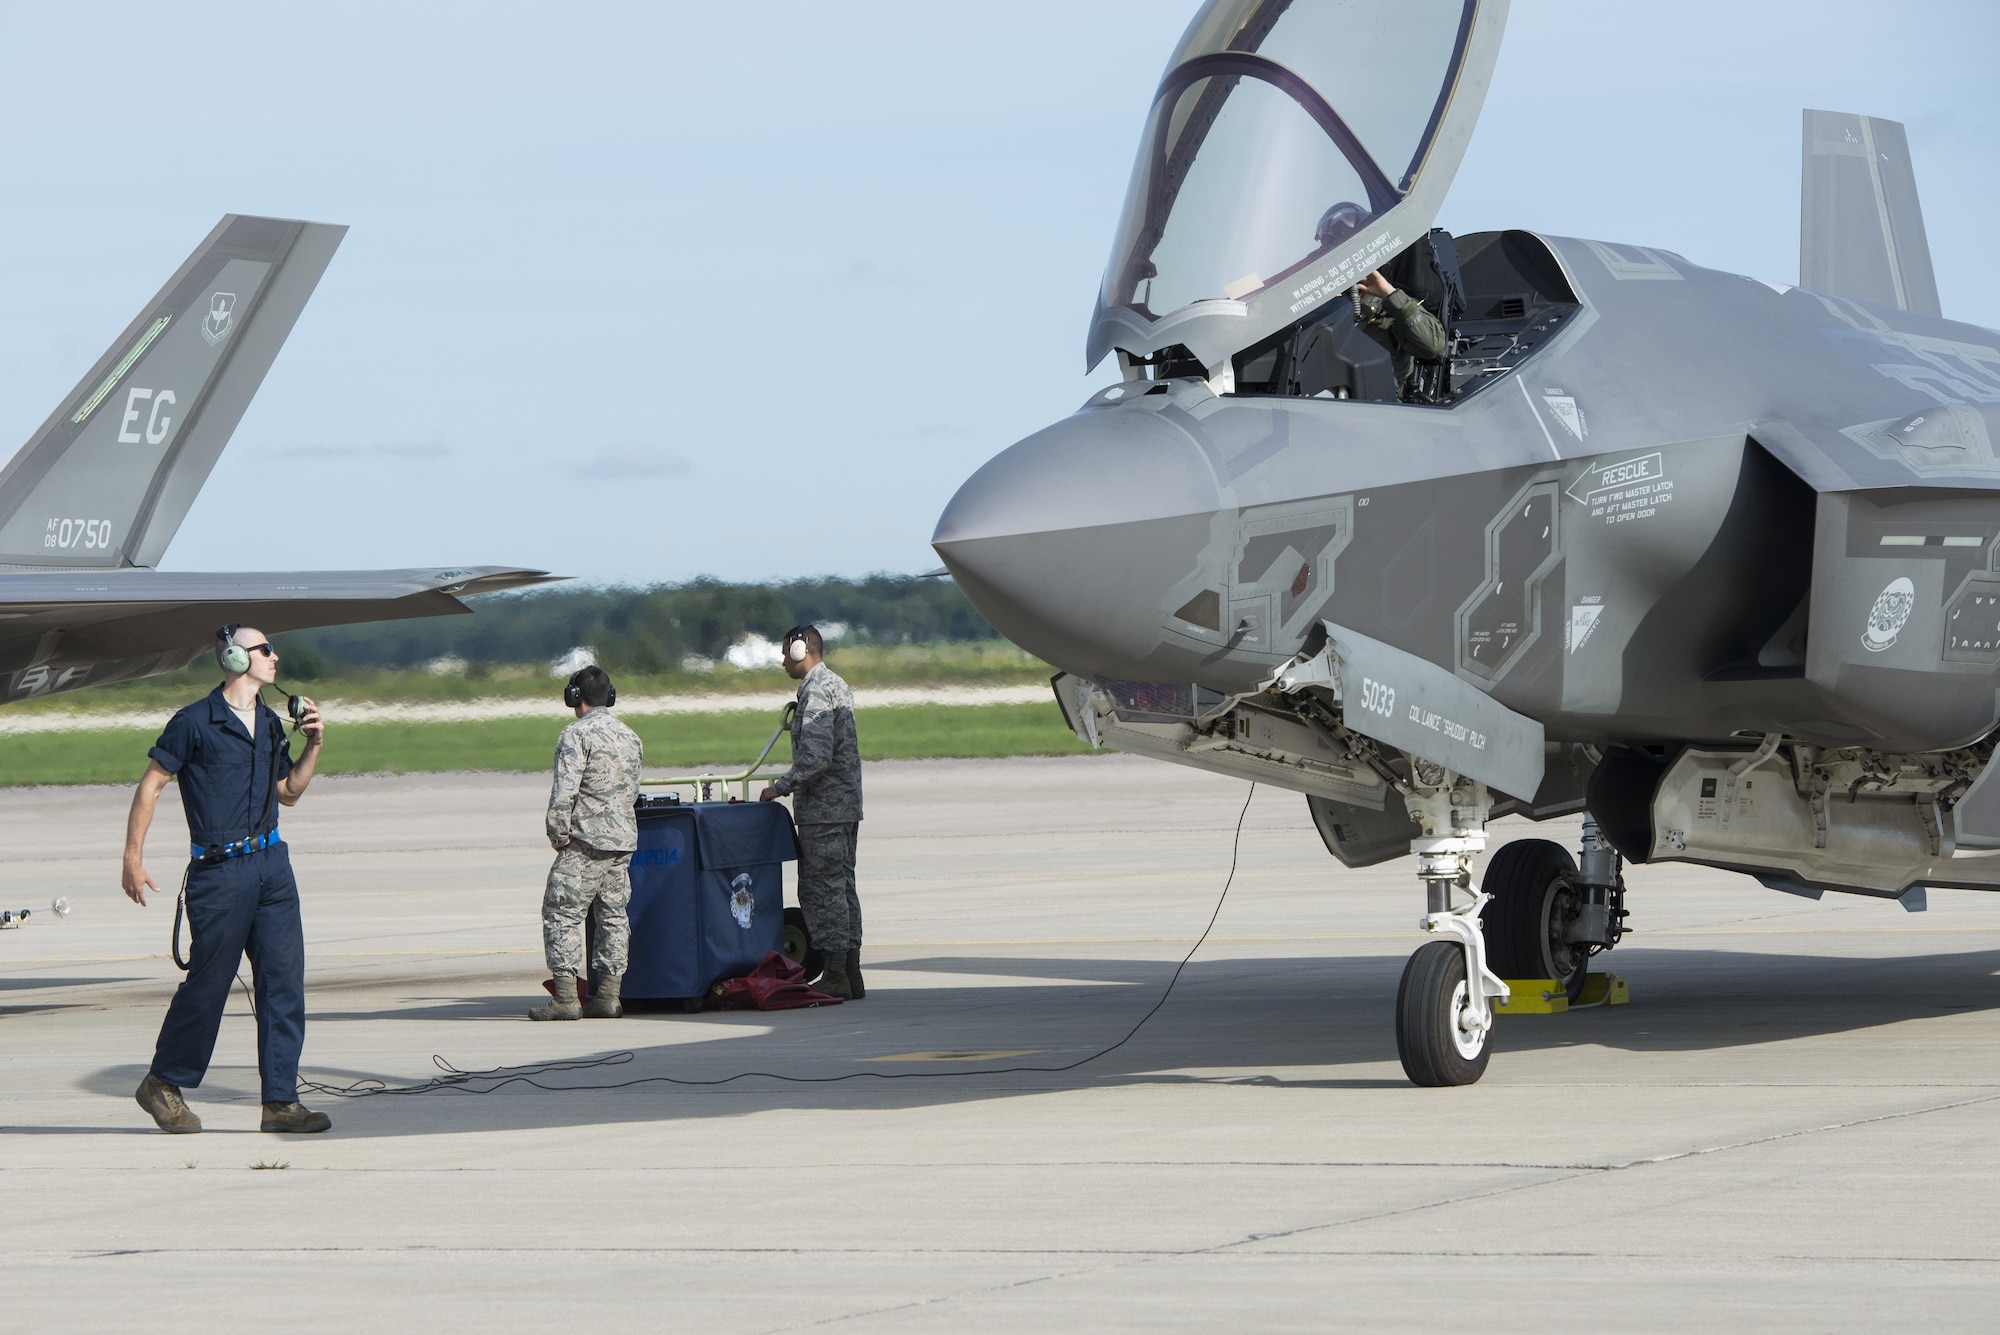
point(246, 903)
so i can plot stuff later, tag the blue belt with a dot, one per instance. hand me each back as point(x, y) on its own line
point(223, 852)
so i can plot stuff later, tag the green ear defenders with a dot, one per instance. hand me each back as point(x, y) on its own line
point(232, 656)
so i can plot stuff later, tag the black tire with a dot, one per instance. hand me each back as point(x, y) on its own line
point(1534, 901)
point(1435, 1052)
point(799, 947)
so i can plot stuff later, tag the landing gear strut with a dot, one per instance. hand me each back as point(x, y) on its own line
point(1444, 1007)
point(1546, 916)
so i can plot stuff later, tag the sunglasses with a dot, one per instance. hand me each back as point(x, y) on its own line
point(264, 649)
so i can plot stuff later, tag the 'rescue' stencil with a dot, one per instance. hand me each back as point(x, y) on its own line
point(1619, 491)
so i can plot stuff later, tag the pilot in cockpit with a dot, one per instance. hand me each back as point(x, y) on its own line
point(1401, 322)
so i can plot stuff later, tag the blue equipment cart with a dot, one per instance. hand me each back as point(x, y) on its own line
point(708, 894)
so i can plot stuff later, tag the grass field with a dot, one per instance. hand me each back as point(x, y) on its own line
point(970, 663)
point(687, 742)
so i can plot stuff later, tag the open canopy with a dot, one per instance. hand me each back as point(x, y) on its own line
point(1293, 146)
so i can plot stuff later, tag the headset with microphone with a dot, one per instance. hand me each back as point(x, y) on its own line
point(233, 657)
point(573, 692)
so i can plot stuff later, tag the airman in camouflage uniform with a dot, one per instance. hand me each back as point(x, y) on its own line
point(592, 827)
point(824, 783)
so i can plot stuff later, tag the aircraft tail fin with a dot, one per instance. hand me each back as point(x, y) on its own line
point(1861, 231)
point(109, 477)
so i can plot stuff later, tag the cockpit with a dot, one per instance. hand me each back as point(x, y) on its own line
point(1503, 296)
point(1294, 148)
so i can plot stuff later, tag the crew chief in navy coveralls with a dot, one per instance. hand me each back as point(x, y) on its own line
point(235, 768)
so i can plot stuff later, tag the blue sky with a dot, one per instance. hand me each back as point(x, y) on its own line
point(642, 292)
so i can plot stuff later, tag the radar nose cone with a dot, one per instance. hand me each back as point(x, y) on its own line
point(1069, 541)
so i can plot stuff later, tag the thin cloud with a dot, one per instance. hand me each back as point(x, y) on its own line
point(636, 463)
point(404, 451)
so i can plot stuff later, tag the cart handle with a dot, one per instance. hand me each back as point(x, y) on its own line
point(706, 784)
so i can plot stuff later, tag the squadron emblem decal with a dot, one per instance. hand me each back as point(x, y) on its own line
point(742, 902)
point(221, 317)
point(1885, 619)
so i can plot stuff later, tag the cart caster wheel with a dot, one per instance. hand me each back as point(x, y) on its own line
point(690, 1005)
point(1435, 1048)
point(798, 946)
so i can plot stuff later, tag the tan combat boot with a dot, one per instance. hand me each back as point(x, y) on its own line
point(167, 1106)
point(603, 1003)
point(833, 982)
point(563, 1006)
point(293, 1116)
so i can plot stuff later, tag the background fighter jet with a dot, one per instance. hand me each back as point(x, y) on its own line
point(1714, 561)
point(90, 503)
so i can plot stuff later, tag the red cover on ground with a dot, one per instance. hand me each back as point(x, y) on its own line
point(777, 984)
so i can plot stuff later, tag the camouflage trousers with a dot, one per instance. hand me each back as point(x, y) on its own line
point(826, 885)
point(584, 882)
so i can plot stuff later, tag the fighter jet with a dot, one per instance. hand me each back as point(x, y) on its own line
point(89, 504)
point(1711, 560)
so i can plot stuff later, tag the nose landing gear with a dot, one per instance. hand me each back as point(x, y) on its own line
point(1544, 918)
point(1444, 1006)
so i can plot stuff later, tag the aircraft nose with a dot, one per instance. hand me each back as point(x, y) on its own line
point(1070, 541)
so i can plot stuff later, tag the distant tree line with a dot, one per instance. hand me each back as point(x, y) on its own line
point(646, 630)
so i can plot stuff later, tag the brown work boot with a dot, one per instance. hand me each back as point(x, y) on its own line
point(563, 1006)
point(833, 981)
point(855, 989)
point(167, 1107)
point(603, 1003)
point(293, 1116)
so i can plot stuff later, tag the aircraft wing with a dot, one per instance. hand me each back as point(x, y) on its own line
point(1293, 146)
point(60, 631)
point(90, 503)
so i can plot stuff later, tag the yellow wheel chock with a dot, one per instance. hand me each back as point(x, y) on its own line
point(1546, 996)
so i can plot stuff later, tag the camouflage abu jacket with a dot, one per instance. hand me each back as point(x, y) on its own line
point(824, 781)
point(597, 784)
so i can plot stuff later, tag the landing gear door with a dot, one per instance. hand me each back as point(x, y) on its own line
point(1293, 146)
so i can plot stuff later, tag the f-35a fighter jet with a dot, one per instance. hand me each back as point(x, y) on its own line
point(89, 504)
point(1713, 561)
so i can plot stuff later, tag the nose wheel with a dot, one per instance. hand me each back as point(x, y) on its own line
point(1441, 1036)
point(1444, 1007)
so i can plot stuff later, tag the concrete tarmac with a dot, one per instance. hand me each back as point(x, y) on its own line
point(1795, 1125)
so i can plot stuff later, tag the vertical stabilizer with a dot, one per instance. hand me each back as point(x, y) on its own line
point(111, 474)
point(1861, 231)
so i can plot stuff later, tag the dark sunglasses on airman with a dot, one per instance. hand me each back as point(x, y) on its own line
point(264, 649)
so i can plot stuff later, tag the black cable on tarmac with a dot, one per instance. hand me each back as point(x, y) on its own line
point(456, 1080)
